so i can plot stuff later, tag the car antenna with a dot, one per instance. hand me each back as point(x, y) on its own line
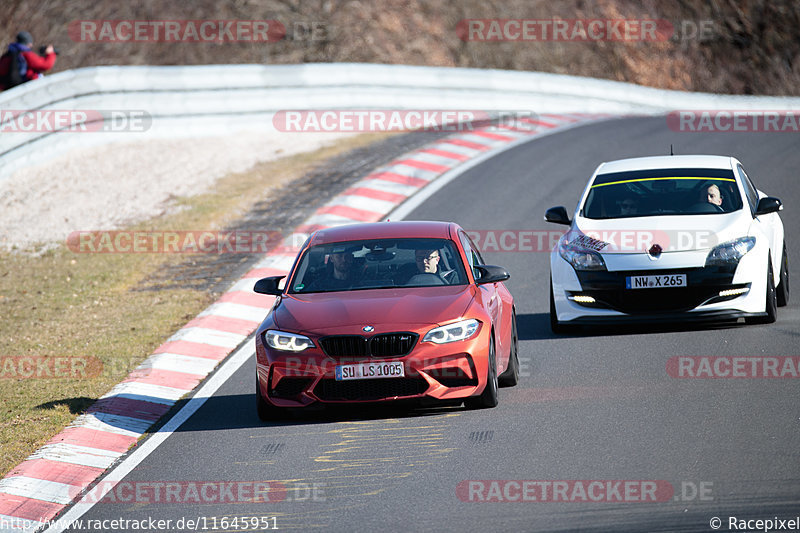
point(670, 149)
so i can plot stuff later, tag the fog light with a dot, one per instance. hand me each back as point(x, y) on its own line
point(733, 292)
point(582, 299)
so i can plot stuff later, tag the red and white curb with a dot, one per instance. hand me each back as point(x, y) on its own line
point(53, 477)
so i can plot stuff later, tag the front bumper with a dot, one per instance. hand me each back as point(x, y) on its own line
point(721, 315)
point(700, 300)
point(453, 371)
point(704, 286)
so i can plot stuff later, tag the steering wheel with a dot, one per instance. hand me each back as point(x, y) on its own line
point(425, 278)
point(706, 207)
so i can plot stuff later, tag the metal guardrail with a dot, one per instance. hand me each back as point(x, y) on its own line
point(189, 101)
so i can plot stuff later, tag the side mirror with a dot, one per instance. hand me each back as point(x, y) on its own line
point(768, 204)
point(490, 274)
point(557, 215)
point(269, 285)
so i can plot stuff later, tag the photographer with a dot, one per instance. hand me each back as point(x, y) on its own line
point(20, 63)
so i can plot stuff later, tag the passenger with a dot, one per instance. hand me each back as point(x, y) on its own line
point(340, 274)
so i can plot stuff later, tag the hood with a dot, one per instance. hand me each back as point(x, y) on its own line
point(672, 233)
point(385, 309)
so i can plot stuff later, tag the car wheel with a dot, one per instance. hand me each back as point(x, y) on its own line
point(771, 297)
point(266, 411)
point(783, 283)
point(510, 377)
point(489, 397)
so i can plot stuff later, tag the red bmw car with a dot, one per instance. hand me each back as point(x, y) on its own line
point(384, 312)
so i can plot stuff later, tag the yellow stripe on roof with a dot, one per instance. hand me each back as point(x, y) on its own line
point(664, 178)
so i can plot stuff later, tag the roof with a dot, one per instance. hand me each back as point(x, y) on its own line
point(668, 161)
point(385, 230)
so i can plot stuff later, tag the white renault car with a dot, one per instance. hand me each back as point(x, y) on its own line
point(669, 238)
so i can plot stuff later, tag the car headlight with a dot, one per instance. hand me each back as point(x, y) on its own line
point(580, 258)
point(457, 331)
point(287, 342)
point(731, 252)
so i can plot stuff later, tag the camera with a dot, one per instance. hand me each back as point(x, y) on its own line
point(43, 50)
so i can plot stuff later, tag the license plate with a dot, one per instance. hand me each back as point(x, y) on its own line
point(370, 371)
point(655, 282)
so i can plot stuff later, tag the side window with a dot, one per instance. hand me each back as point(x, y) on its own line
point(473, 258)
point(467, 248)
point(451, 263)
point(476, 255)
point(749, 189)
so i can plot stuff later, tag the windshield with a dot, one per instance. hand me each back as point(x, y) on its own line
point(648, 193)
point(378, 264)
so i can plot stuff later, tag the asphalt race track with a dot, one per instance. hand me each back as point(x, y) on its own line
point(595, 406)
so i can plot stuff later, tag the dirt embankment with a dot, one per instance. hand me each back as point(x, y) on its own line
point(725, 46)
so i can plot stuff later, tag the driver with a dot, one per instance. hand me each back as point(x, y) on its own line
point(427, 261)
point(426, 265)
point(628, 206)
point(712, 195)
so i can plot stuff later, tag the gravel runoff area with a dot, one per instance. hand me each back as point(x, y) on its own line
point(111, 186)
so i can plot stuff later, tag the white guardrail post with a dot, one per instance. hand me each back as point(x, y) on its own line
point(194, 101)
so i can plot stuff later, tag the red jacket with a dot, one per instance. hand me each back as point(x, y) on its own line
point(36, 65)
